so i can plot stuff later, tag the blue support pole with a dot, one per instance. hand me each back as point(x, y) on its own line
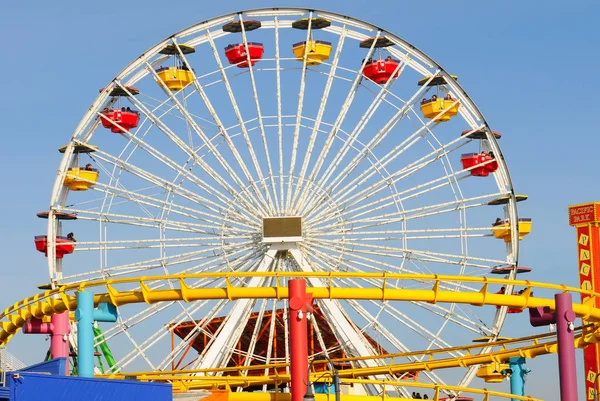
point(517, 376)
point(85, 316)
point(85, 334)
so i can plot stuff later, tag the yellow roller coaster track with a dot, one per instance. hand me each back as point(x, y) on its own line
point(437, 393)
point(63, 299)
point(185, 380)
point(147, 290)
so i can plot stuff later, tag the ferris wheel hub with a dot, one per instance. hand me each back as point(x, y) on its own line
point(287, 229)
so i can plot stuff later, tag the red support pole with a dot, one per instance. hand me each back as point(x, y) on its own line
point(300, 304)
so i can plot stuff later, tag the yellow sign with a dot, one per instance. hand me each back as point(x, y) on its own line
point(591, 376)
point(586, 285)
point(585, 269)
point(584, 254)
point(584, 239)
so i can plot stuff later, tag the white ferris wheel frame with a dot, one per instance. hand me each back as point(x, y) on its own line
point(205, 33)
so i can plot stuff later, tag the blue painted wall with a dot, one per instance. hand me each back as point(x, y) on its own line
point(55, 366)
point(43, 387)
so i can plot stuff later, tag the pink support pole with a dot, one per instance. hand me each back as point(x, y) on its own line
point(300, 305)
point(59, 344)
point(565, 319)
point(58, 329)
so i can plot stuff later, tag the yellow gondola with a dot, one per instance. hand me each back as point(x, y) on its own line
point(179, 76)
point(502, 231)
point(318, 51)
point(79, 179)
point(435, 107)
point(175, 78)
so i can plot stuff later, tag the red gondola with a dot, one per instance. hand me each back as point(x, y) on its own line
point(469, 160)
point(381, 71)
point(126, 119)
point(63, 245)
point(236, 54)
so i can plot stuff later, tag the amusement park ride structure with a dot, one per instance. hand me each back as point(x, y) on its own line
point(220, 173)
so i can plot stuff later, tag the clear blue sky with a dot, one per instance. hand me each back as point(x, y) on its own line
point(531, 67)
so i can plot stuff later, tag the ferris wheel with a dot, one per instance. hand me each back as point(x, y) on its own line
point(283, 140)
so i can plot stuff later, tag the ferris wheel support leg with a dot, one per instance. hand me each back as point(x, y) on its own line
point(300, 307)
point(349, 338)
point(223, 344)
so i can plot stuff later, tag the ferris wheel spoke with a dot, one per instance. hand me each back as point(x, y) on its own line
point(147, 313)
point(319, 118)
point(325, 349)
point(394, 340)
point(183, 226)
point(296, 136)
point(160, 205)
point(166, 243)
point(147, 343)
point(351, 262)
point(417, 190)
point(372, 144)
point(267, 154)
point(360, 212)
point(223, 206)
point(269, 202)
point(158, 335)
point(204, 137)
point(456, 318)
point(249, 356)
point(223, 130)
point(271, 330)
point(349, 99)
point(358, 129)
point(373, 169)
point(145, 201)
point(390, 179)
point(279, 115)
point(391, 218)
point(425, 256)
point(420, 330)
point(433, 308)
point(186, 173)
point(191, 154)
point(358, 264)
point(394, 235)
point(173, 188)
point(161, 262)
point(133, 320)
point(187, 116)
point(350, 265)
point(137, 352)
